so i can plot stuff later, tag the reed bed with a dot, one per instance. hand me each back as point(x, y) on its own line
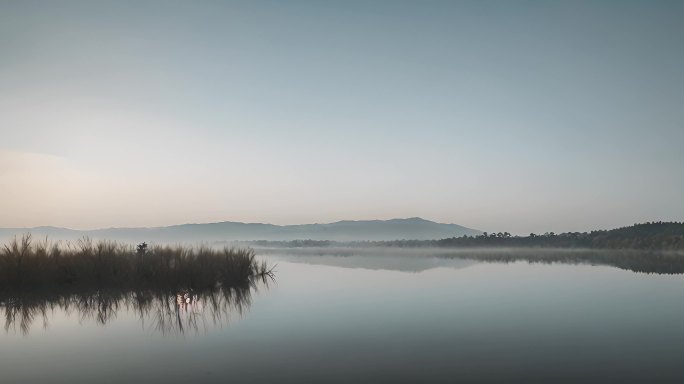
point(27, 265)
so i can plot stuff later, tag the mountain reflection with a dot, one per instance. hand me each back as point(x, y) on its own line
point(165, 312)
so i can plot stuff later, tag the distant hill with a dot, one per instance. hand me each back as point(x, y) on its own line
point(364, 230)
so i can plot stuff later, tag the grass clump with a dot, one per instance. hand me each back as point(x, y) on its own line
point(29, 265)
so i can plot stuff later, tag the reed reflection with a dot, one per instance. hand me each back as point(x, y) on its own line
point(164, 311)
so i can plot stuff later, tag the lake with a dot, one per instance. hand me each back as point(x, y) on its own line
point(357, 316)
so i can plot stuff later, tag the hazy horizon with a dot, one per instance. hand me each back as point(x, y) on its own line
point(490, 230)
point(263, 222)
point(509, 116)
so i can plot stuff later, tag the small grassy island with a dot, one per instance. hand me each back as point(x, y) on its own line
point(96, 279)
point(28, 265)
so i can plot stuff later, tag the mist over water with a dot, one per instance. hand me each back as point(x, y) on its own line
point(419, 259)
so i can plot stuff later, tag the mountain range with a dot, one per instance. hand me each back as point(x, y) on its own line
point(363, 230)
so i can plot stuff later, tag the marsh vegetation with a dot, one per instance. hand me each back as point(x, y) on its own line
point(176, 288)
point(28, 265)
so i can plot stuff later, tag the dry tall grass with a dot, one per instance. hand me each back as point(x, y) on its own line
point(27, 265)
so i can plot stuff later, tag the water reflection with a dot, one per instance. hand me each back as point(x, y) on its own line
point(421, 259)
point(162, 311)
point(650, 262)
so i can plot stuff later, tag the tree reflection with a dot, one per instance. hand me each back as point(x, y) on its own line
point(653, 262)
point(165, 311)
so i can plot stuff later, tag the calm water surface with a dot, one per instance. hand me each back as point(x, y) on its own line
point(376, 319)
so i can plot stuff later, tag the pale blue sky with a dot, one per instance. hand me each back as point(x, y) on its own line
point(498, 115)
